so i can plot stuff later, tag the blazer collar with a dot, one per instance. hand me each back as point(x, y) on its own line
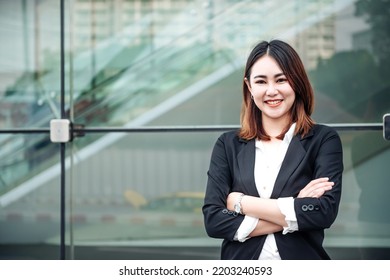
point(246, 164)
point(294, 155)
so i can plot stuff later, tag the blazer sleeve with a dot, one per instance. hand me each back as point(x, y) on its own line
point(327, 161)
point(219, 221)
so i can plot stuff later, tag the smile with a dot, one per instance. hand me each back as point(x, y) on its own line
point(274, 102)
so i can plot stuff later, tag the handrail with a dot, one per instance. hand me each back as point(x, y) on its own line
point(185, 128)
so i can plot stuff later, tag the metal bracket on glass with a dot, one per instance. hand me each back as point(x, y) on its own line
point(63, 131)
point(60, 131)
point(77, 130)
point(386, 127)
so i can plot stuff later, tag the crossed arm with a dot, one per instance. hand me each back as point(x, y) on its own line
point(270, 217)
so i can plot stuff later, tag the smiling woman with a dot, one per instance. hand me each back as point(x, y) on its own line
point(275, 184)
point(278, 69)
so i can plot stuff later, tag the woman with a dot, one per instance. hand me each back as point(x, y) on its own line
point(274, 185)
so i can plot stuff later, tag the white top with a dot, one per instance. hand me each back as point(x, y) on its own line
point(267, 166)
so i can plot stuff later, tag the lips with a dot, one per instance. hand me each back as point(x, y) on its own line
point(274, 103)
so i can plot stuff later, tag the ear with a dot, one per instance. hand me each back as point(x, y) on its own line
point(248, 84)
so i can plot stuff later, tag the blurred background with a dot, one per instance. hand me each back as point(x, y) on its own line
point(176, 64)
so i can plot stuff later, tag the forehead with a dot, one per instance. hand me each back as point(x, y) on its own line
point(266, 65)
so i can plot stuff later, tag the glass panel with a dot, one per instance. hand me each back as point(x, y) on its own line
point(137, 61)
point(30, 63)
point(143, 193)
point(363, 225)
point(139, 192)
point(29, 199)
point(29, 98)
point(23, 157)
point(29, 88)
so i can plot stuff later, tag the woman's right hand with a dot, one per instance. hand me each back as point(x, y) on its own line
point(316, 188)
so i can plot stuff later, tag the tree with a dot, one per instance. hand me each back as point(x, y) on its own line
point(351, 78)
point(377, 13)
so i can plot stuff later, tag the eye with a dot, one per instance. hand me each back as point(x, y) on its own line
point(260, 82)
point(281, 80)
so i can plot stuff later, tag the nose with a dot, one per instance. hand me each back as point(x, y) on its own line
point(271, 89)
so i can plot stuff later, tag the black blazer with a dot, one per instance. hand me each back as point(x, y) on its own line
point(318, 154)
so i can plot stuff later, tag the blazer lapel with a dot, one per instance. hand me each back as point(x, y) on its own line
point(292, 159)
point(246, 164)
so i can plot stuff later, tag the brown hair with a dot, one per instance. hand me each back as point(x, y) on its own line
point(292, 66)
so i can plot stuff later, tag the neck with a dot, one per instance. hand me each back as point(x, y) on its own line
point(274, 127)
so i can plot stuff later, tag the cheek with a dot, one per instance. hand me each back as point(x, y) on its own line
point(292, 96)
point(257, 90)
point(288, 92)
point(290, 100)
point(258, 99)
point(258, 102)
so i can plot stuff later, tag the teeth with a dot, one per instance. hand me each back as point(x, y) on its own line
point(273, 102)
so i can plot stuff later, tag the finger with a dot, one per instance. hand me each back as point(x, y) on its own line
point(319, 180)
point(321, 190)
point(324, 185)
point(320, 184)
point(316, 190)
point(314, 185)
point(316, 181)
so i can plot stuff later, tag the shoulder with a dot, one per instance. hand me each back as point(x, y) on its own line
point(230, 140)
point(231, 135)
point(322, 130)
point(325, 136)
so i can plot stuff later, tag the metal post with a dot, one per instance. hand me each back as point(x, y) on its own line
point(62, 145)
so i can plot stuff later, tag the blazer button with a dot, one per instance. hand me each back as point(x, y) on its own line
point(225, 211)
point(310, 207)
point(304, 208)
point(316, 207)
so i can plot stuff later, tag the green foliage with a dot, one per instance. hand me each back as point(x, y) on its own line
point(350, 78)
point(377, 14)
point(358, 79)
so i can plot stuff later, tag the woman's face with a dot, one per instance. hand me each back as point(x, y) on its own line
point(270, 89)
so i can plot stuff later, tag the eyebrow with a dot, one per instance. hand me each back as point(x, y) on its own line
point(264, 76)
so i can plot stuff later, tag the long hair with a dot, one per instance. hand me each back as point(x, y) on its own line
point(292, 67)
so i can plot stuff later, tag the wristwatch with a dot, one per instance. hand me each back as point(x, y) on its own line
point(237, 205)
